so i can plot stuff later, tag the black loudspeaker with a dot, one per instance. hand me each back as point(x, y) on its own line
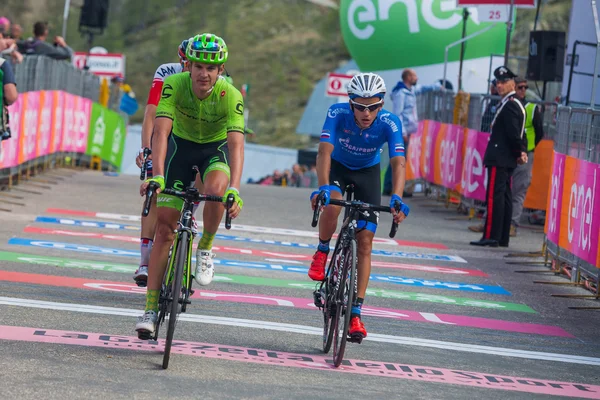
point(546, 56)
point(94, 14)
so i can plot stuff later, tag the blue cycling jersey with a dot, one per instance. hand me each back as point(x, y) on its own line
point(358, 148)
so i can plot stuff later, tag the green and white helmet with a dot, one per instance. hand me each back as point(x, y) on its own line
point(207, 48)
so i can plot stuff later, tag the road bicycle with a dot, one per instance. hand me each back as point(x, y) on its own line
point(334, 295)
point(176, 287)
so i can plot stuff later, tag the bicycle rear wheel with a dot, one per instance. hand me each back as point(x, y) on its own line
point(176, 286)
point(344, 298)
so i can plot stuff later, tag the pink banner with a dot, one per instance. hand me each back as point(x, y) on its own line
point(45, 124)
point(552, 227)
point(414, 152)
point(28, 137)
point(431, 133)
point(57, 121)
point(474, 176)
point(68, 135)
point(580, 211)
point(81, 125)
point(9, 154)
point(452, 156)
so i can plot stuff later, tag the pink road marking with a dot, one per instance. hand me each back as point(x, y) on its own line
point(407, 243)
point(260, 253)
point(309, 361)
point(296, 302)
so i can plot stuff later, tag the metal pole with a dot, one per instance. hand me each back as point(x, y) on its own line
point(472, 35)
point(65, 18)
point(462, 48)
point(537, 15)
point(597, 62)
point(508, 29)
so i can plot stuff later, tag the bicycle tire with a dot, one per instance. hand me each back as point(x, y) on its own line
point(344, 299)
point(165, 293)
point(176, 287)
point(330, 308)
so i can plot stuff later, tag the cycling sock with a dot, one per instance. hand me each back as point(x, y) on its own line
point(356, 307)
point(324, 245)
point(145, 248)
point(206, 240)
point(196, 205)
point(152, 300)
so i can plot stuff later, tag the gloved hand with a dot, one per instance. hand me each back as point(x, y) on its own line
point(158, 179)
point(326, 195)
point(404, 209)
point(236, 197)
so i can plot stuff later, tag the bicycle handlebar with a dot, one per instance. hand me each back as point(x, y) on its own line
point(359, 205)
point(147, 152)
point(191, 195)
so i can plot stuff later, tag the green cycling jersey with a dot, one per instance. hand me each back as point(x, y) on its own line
point(201, 121)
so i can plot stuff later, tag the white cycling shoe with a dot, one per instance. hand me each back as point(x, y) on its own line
point(146, 323)
point(205, 270)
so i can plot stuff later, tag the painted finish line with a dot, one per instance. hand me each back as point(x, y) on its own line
point(294, 302)
point(260, 253)
point(246, 228)
point(306, 361)
point(259, 281)
point(398, 280)
point(384, 253)
point(308, 330)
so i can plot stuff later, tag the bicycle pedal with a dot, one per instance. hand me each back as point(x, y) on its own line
point(356, 338)
point(141, 282)
point(144, 335)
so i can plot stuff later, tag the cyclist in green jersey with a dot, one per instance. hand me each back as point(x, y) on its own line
point(199, 122)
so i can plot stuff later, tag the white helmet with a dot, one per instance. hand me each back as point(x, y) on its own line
point(366, 85)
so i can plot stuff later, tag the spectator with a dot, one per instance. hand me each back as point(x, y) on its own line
point(296, 178)
point(8, 95)
point(8, 47)
point(534, 131)
point(490, 110)
point(505, 150)
point(4, 24)
point(311, 176)
point(404, 97)
point(39, 46)
point(16, 32)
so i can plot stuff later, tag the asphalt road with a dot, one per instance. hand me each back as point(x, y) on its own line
point(445, 320)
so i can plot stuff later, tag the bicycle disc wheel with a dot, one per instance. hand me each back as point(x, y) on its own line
point(176, 285)
point(330, 309)
point(344, 299)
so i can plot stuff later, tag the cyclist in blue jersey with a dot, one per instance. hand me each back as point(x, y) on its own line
point(349, 153)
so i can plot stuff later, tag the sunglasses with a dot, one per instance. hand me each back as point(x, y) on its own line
point(522, 87)
point(208, 47)
point(371, 107)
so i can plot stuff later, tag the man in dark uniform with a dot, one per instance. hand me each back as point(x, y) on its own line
point(506, 149)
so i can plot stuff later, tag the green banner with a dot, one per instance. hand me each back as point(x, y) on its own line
point(107, 135)
point(392, 34)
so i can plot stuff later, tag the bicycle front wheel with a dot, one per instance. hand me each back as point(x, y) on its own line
point(344, 299)
point(330, 309)
point(176, 286)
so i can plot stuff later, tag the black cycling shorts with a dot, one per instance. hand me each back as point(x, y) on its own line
point(182, 156)
point(367, 188)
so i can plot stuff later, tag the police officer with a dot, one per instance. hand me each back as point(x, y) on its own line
point(534, 132)
point(505, 150)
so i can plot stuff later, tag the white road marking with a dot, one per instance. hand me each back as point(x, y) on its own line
point(309, 330)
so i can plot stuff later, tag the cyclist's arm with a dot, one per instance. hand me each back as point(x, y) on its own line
point(148, 125)
point(162, 129)
point(397, 153)
point(324, 163)
point(235, 143)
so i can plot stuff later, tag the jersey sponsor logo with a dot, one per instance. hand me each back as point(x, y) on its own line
point(386, 118)
point(325, 135)
point(333, 113)
point(356, 149)
point(166, 71)
point(236, 128)
point(239, 108)
point(167, 91)
point(223, 93)
point(178, 185)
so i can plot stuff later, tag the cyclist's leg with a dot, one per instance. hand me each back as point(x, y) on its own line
point(215, 178)
point(328, 222)
point(178, 169)
point(367, 189)
point(148, 224)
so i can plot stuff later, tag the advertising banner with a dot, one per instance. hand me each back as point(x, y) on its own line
point(57, 121)
point(29, 124)
point(68, 122)
point(553, 208)
point(9, 153)
point(474, 175)
point(451, 156)
point(44, 131)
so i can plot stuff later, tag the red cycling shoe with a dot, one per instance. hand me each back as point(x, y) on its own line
point(317, 267)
